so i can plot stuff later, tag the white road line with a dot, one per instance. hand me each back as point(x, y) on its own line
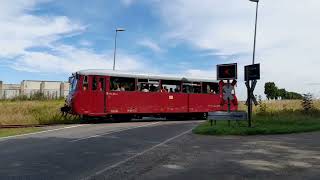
point(139, 154)
point(51, 130)
point(110, 132)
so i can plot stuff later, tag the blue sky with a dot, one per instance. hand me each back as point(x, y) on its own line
point(48, 40)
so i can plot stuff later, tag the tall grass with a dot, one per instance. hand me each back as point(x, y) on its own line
point(280, 105)
point(32, 112)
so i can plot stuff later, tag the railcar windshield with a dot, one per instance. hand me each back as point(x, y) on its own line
point(73, 82)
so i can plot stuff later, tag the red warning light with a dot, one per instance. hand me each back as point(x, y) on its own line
point(227, 71)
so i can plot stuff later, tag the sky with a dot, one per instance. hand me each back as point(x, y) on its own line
point(48, 40)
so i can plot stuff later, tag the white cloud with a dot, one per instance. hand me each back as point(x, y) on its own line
point(127, 2)
point(198, 73)
point(85, 43)
point(21, 31)
point(287, 41)
point(70, 59)
point(150, 44)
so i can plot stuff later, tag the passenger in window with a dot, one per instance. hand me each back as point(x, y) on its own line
point(117, 88)
point(171, 90)
point(178, 89)
point(163, 89)
point(184, 89)
point(145, 88)
point(212, 91)
point(152, 88)
point(122, 88)
point(100, 86)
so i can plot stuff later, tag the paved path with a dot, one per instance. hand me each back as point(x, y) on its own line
point(156, 150)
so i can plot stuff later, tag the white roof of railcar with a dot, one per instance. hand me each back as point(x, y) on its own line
point(107, 72)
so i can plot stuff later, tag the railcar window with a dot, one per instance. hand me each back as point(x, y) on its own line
point(102, 84)
point(73, 82)
point(171, 86)
point(148, 85)
point(191, 87)
point(154, 85)
point(85, 83)
point(208, 87)
point(94, 83)
point(122, 84)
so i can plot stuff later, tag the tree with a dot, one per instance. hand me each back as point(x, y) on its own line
point(270, 90)
point(282, 93)
point(293, 95)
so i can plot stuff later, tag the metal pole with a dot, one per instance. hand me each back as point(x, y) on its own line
point(249, 105)
point(255, 33)
point(115, 51)
point(253, 61)
point(229, 103)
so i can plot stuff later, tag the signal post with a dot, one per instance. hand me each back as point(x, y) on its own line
point(251, 73)
point(227, 72)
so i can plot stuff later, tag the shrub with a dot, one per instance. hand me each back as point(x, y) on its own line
point(262, 108)
point(307, 102)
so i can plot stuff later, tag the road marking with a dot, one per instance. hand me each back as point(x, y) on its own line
point(139, 154)
point(110, 132)
point(51, 130)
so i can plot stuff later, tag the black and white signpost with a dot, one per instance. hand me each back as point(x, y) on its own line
point(251, 73)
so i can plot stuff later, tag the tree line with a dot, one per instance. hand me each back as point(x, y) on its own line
point(273, 92)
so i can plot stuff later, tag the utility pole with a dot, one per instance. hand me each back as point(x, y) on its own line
point(115, 46)
point(253, 82)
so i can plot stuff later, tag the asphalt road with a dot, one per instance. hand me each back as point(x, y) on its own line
point(156, 150)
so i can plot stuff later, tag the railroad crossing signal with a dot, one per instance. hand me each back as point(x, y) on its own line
point(227, 95)
point(227, 71)
point(251, 89)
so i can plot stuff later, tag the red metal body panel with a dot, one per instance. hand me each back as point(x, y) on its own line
point(135, 102)
point(176, 102)
point(204, 102)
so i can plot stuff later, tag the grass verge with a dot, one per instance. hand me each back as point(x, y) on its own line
point(5, 132)
point(33, 112)
point(284, 122)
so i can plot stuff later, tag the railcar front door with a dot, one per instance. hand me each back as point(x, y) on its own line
point(98, 101)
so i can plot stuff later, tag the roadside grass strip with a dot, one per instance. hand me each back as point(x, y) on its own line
point(283, 122)
point(6, 132)
point(35, 112)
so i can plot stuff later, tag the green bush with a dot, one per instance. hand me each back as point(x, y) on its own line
point(307, 103)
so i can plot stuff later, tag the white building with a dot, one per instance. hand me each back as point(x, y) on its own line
point(50, 89)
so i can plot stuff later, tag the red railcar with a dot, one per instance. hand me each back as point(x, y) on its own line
point(107, 93)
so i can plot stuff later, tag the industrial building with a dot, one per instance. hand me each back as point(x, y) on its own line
point(28, 88)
